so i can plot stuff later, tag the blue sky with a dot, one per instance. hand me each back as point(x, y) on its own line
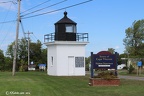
point(104, 20)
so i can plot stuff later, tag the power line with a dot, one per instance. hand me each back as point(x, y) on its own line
point(7, 13)
point(14, 2)
point(23, 29)
point(58, 9)
point(48, 11)
point(44, 8)
point(35, 37)
point(6, 2)
point(5, 17)
point(7, 21)
point(3, 25)
point(9, 2)
point(35, 6)
point(6, 35)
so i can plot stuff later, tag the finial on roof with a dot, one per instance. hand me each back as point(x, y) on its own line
point(65, 14)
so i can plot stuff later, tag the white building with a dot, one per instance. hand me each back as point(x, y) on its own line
point(66, 49)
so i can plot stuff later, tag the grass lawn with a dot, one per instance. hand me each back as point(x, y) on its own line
point(40, 84)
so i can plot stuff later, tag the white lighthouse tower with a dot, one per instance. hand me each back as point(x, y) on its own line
point(66, 49)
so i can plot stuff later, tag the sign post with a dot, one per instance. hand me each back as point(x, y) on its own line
point(116, 54)
point(92, 63)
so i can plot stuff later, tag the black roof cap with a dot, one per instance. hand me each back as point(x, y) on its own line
point(65, 20)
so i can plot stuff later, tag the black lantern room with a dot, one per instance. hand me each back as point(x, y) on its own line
point(65, 29)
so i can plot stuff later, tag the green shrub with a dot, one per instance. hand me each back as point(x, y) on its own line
point(130, 69)
point(21, 68)
point(106, 75)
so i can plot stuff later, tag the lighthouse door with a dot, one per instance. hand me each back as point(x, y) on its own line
point(70, 65)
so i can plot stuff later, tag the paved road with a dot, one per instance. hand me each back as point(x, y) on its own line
point(131, 77)
point(128, 77)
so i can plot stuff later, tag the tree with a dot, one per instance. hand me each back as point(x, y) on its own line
point(22, 49)
point(9, 51)
point(2, 65)
point(87, 62)
point(21, 52)
point(111, 50)
point(37, 54)
point(8, 64)
point(44, 55)
point(134, 38)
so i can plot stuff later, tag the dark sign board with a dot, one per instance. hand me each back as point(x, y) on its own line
point(104, 61)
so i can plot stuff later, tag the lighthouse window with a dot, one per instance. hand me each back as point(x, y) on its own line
point(70, 28)
point(51, 60)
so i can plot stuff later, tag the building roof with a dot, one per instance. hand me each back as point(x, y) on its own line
point(65, 20)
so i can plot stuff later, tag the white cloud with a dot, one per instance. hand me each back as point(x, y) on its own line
point(117, 47)
point(8, 6)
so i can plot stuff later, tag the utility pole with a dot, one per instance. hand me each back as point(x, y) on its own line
point(29, 48)
point(16, 41)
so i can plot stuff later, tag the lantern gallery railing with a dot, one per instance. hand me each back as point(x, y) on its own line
point(49, 37)
point(81, 37)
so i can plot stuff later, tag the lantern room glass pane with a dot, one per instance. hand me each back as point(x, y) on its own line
point(70, 28)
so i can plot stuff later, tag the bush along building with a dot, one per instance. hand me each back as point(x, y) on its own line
point(66, 49)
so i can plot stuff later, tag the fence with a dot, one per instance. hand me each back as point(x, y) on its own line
point(80, 37)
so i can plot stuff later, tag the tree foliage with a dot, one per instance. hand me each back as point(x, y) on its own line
point(87, 62)
point(37, 54)
point(111, 50)
point(2, 66)
point(134, 39)
point(8, 64)
point(22, 49)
